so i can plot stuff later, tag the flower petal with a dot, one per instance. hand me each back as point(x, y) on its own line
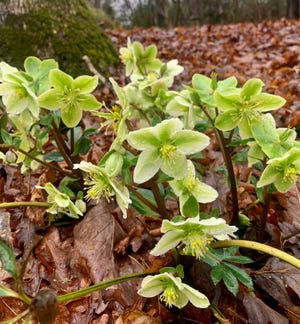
point(167, 242)
point(228, 120)
point(175, 167)
point(60, 80)
point(86, 83)
point(195, 297)
point(189, 141)
point(71, 116)
point(151, 286)
point(50, 99)
point(143, 139)
point(269, 175)
point(147, 165)
point(267, 102)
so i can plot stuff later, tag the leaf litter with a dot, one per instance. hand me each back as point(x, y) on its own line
point(102, 245)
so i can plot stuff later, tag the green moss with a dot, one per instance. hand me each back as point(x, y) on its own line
point(65, 35)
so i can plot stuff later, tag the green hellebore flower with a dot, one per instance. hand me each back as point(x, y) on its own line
point(71, 96)
point(139, 60)
point(243, 106)
point(173, 291)
point(100, 182)
point(164, 147)
point(61, 202)
point(283, 172)
point(17, 94)
point(192, 191)
point(193, 233)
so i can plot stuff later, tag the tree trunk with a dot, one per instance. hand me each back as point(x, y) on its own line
point(292, 9)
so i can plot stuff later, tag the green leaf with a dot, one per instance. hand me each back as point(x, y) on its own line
point(216, 273)
point(230, 281)
point(8, 259)
point(82, 146)
point(240, 274)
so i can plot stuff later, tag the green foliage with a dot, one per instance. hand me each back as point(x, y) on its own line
point(8, 259)
point(222, 269)
point(155, 154)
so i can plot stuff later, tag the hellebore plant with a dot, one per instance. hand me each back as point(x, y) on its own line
point(156, 155)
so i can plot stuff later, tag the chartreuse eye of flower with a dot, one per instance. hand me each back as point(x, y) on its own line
point(244, 106)
point(283, 172)
point(191, 191)
point(61, 202)
point(172, 291)
point(101, 181)
point(192, 235)
point(164, 147)
point(71, 96)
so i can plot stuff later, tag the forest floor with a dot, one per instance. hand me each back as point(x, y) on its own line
point(102, 245)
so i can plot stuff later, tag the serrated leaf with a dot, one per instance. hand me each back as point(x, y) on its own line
point(238, 259)
point(230, 281)
point(8, 259)
point(216, 274)
point(239, 274)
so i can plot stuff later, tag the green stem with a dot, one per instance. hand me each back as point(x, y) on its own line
point(48, 165)
point(259, 247)
point(99, 286)
point(229, 166)
point(158, 198)
point(15, 204)
point(143, 199)
point(233, 188)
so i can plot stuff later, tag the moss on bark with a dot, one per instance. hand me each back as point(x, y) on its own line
point(63, 30)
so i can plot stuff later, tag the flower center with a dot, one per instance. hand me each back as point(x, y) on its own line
point(190, 184)
point(290, 174)
point(196, 244)
point(167, 151)
point(169, 296)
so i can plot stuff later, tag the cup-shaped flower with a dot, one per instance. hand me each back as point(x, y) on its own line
point(274, 142)
point(172, 291)
point(99, 183)
point(191, 191)
point(193, 235)
point(61, 202)
point(139, 60)
point(164, 147)
point(16, 91)
point(244, 106)
point(205, 87)
point(283, 172)
point(71, 96)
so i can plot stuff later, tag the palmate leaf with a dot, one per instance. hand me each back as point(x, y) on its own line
point(229, 273)
point(8, 259)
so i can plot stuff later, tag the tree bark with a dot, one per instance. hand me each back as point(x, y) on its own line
point(292, 9)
